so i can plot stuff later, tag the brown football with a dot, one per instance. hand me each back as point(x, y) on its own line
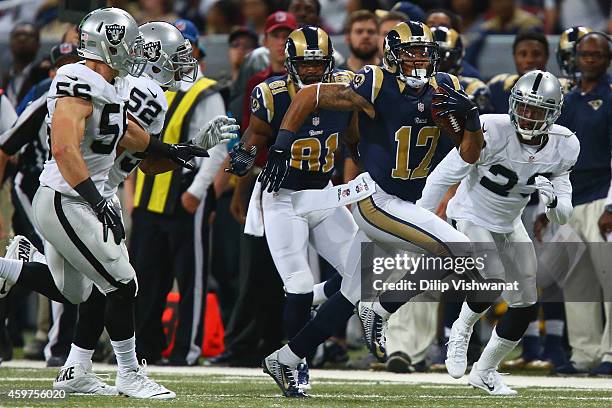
point(452, 125)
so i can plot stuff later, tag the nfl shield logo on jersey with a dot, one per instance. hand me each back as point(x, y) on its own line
point(315, 121)
point(115, 33)
point(152, 51)
point(421, 106)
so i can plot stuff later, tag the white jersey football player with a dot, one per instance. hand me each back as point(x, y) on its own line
point(147, 106)
point(524, 152)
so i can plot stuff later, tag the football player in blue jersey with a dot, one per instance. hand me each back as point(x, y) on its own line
point(398, 145)
point(530, 51)
point(311, 156)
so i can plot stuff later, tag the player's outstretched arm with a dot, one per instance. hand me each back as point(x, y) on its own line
point(67, 131)
point(451, 170)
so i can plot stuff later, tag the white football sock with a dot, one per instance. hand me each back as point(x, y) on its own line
point(288, 357)
point(79, 355)
point(533, 329)
point(494, 352)
point(125, 351)
point(554, 327)
point(318, 294)
point(467, 316)
point(10, 269)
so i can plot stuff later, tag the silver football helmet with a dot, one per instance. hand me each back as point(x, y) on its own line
point(169, 55)
point(111, 35)
point(535, 103)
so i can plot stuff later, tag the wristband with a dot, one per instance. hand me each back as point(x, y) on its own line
point(87, 189)
point(284, 138)
point(472, 120)
point(156, 147)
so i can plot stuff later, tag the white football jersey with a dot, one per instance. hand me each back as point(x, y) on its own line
point(494, 191)
point(148, 106)
point(103, 128)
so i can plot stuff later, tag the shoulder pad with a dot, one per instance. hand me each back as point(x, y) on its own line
point(79, 81)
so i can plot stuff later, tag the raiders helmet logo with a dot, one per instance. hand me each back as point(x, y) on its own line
point(152, 51)
point(115, 33)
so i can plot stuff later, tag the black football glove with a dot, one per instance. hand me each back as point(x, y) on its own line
point(106, 212)
point(183, 153)
point(241, 159)
point(459, 103)
point(110, 219)
point(276, 169)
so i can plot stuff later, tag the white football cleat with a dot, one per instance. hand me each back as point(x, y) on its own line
point(456, 352)
point(76, 379)
point(136, 384)
point(21, 249)
point(490, 381)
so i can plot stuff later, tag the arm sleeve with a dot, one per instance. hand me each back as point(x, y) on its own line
point(450, 171)
point(209, 168)
point(563, 190)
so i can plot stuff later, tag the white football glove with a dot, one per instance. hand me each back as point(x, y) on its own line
point(220, 128)
point(546, 189)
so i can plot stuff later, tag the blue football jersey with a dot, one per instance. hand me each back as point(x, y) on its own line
point(500, 87)
point(401, 144)
point(312, 153)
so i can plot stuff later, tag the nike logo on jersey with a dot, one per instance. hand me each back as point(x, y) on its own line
point(152, 94)
point(73, 78)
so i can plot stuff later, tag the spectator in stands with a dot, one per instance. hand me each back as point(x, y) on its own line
point(255, 13)
point(370, 5)
point(586, 111)
point(508, 19)
point(530, 51)
point(25, 11)
point(25, 71)
point(589, 13)
point(470, 12)
point(155, 10)
point(362, 39)
point(305, 11)
point(241, 42)
point(222, 16)
point(333, 15)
